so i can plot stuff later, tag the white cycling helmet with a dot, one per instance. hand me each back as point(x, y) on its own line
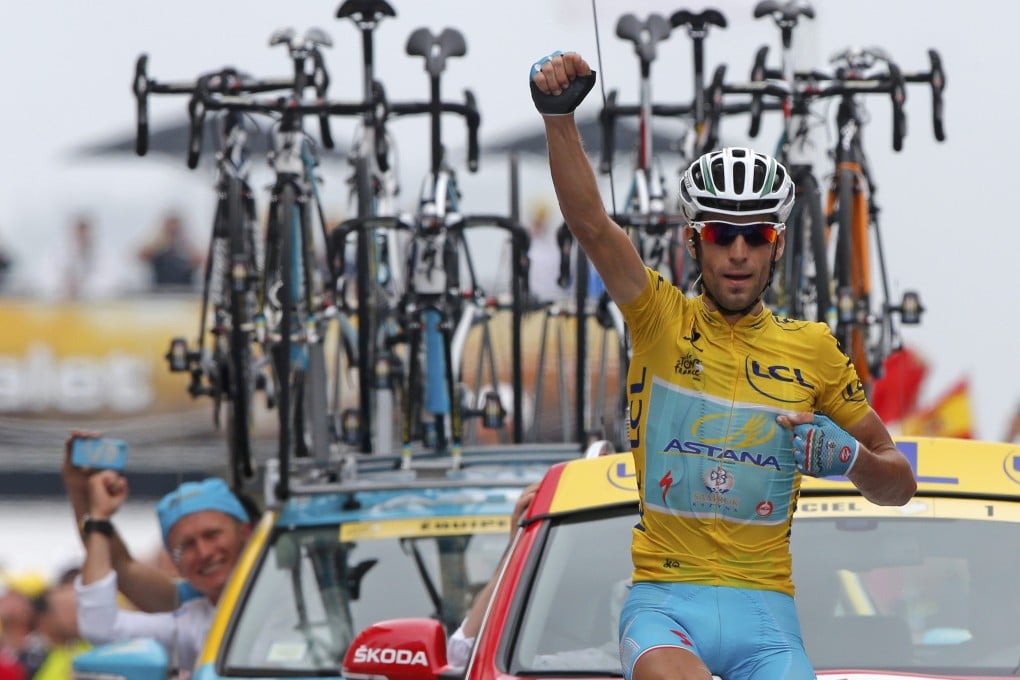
point(736, 181)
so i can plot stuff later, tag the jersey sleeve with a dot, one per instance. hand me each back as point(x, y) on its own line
point(658, 305)
point(841, 396)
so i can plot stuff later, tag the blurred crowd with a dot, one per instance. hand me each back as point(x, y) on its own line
point(38, 627)
point(80, 266)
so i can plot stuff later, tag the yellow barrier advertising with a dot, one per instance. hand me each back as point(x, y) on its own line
point(97, 359)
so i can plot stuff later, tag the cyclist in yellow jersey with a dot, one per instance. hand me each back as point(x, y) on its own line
point(729, 406)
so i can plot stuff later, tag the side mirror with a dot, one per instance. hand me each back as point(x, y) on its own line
point(142, 659)
point(401, 649)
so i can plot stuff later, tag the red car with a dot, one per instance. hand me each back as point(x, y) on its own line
point(927, 590)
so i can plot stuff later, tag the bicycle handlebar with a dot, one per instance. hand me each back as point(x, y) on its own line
point(469, 110)
point(226, 80)
point(204, 100)
point(935, 77)
point(611, 111)
point(817, 84)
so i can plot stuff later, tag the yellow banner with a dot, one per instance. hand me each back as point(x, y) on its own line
point(98, 359)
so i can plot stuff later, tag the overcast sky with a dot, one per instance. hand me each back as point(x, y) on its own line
point(67, 69)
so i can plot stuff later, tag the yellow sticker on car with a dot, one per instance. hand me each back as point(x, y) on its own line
point(939, 508)
point(419, 527)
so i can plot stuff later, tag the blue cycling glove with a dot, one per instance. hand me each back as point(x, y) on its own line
point(566, 101)
point(822, 448)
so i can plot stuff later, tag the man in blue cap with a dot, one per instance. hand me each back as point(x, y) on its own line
point(204, 528)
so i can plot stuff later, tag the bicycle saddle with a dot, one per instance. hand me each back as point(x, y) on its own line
point(311, 38)
point(644, 34)
point(423, 43)
point(699, 22)
point(784, 12)
point(365, 10)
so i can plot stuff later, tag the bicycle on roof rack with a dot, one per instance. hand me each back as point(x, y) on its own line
point(801, 286)
point(436, 311)
point(375, 273)
point(295, 305)
point(868, 331)
point(223, 362)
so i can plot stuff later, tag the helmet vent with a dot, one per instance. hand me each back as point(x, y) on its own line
point(738, 180)
point(719, 176)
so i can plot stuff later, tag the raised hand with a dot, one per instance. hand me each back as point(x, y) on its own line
point(559, 83)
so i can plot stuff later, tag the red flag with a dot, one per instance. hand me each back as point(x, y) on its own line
point(950, 416)
point(894, 395)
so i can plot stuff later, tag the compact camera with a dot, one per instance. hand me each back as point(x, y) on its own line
point(100, 454)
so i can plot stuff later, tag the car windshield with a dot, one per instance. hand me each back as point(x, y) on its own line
point(913, 593)
point(313, 591)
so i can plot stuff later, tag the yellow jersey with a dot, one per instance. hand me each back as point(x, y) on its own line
point(715, 471)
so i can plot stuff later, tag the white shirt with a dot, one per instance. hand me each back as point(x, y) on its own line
point(182, 631)
point(458, 648)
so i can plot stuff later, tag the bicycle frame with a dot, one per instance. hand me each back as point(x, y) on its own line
point(434, 268)
point(225, 369)
point(801, 288)
point(850, 205)
point(868, 335)
point(379, 276)
point(294, 306)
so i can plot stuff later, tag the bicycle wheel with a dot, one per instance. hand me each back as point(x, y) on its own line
point(274, 292)
point(309, 375)
point(806, 272)
point(239, 379)
point(366, 313)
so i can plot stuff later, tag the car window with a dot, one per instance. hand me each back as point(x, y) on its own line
point(312, 592)
point(925, 592)
point(571, 616)
point(918, 593)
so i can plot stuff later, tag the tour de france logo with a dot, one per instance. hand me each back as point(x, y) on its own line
point(718, 480)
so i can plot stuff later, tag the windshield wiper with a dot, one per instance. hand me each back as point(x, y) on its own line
point(304, 625)
point(430, 586)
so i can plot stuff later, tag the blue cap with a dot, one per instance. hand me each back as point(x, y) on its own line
point(192, 497)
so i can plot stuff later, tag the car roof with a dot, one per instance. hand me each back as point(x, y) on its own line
point(943, 466)
point(463, 497)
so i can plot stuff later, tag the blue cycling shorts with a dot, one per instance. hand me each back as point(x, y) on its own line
point(739, 633)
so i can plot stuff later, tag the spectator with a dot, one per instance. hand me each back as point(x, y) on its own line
point(58, 624)
point(544, 254)
point(82, 268)
point(204, 528)
point(6, 263)
point(20, 641)
point(10, 669)
point(171, 256)
point(142, 583)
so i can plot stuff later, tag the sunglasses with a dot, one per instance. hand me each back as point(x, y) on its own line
point(724, 233)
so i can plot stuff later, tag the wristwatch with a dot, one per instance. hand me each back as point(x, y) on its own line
point(103, 526)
